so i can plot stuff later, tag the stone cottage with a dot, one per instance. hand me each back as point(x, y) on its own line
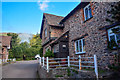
point(89, 33)
point(5, 46)
point(50, 30)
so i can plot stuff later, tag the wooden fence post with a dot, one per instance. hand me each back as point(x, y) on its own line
point(95, 65)
point(43, 61)
point(68, 61)
point(80, 63)
point(40, 60)
point(47, 64)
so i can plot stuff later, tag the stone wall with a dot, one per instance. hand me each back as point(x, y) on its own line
point(63, 72)
point(56, 32)
point(52, 32)
point(96, 41)
point(46, 26)
point(52, 73)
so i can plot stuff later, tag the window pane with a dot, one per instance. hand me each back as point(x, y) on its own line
point(80, 45)
point(77, 49)
point(90, 12)
point(86, 13)
point(118, 37)
point(83, 45)
point(45, 32)
point(112, 37)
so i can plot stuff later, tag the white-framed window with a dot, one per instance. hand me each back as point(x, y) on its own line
point(113, 36)
point(46, 32)
point(87, 12)
point(80, 46)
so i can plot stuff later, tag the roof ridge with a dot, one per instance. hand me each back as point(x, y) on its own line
point(52, 15)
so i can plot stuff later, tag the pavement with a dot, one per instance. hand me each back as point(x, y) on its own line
point(20, 69)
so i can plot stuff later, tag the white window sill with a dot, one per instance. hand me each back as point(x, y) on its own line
point(80, 52)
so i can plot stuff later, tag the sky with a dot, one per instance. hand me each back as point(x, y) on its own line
point(26, 17)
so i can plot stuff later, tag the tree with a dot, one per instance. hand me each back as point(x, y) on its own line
point(35, 43)
point(28, 49)
point(14, 43)
point(15, 40)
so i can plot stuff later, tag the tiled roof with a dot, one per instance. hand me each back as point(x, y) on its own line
point(5, 40)
point(53, 19)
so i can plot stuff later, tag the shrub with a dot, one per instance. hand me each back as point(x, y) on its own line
point(75, 71)
point(49, 53)
point(68, 72)
point(58, 75)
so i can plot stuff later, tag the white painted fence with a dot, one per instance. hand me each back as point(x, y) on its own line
point(74, 62)
point(0, 61)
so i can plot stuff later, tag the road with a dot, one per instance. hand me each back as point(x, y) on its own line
point(20, 69)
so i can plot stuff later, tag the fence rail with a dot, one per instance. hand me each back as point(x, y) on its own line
point(79, 62)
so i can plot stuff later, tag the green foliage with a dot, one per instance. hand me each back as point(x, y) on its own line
point(100, 71)
point(58, 76)
point(14, 45)
point(49, 53)
point(35, 44)
point(68, 72)
point(15, 40)
point(28, 49)
point(115, 13)
point(75, 71)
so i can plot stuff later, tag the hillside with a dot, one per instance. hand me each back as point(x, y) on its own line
point(25, 37)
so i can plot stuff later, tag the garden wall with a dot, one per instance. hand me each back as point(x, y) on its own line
point(64, 73)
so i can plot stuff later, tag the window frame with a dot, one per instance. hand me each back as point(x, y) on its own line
point(78, 41)
point(88, 12)
point(111, 34)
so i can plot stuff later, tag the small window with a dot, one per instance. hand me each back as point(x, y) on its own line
point(56, 48)
point(46, 32)
point(80, 46)
point(87, 12)
point(113, 36)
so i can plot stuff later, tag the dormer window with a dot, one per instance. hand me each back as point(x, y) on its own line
point(87, 12)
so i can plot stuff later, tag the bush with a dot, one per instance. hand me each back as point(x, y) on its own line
point(49, 53)
point(68, 72)
point(75, 71)
point(18, 59)
point(58, 75)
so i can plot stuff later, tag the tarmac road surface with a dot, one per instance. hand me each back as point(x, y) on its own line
point(20, 69)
